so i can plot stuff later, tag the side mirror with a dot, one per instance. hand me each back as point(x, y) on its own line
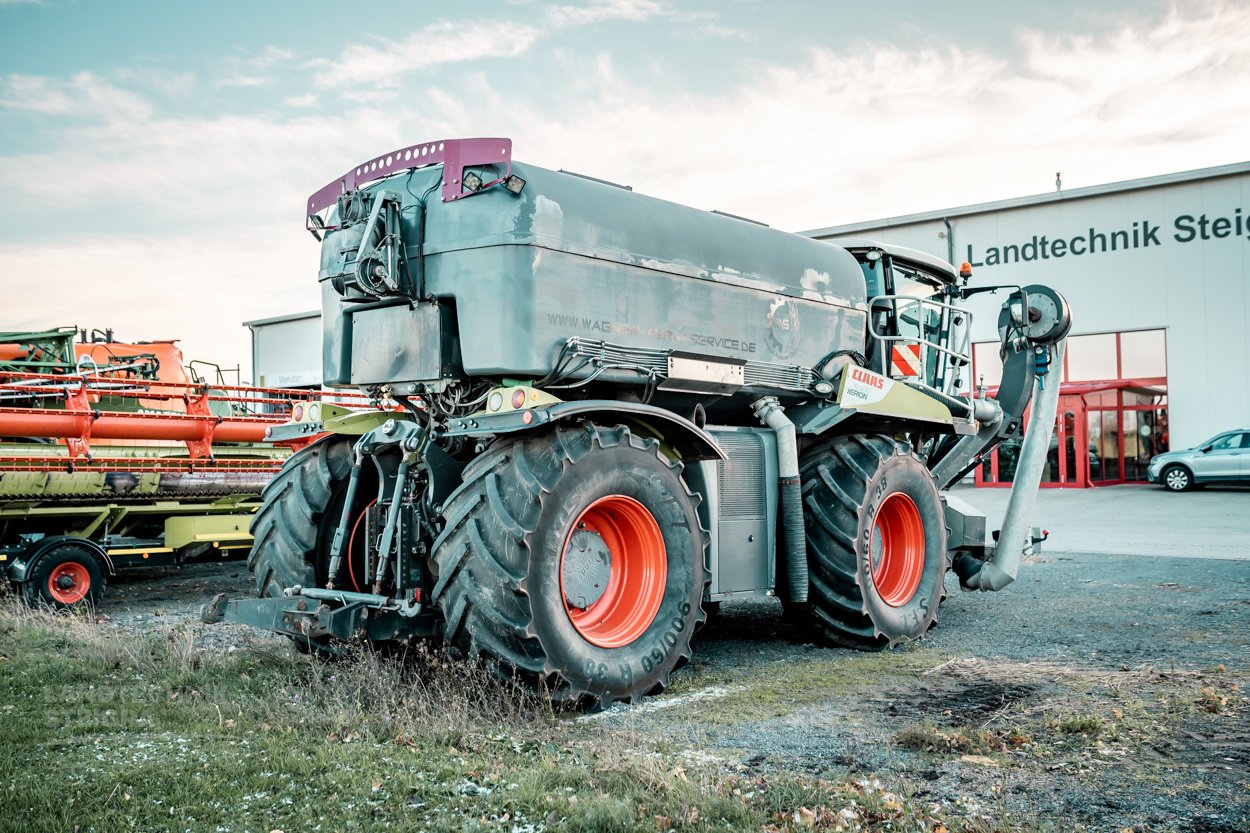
point(1206, 448)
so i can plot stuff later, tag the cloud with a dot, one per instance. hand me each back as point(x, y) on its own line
point(386, 63)
point(169, 83)
point(602, 11)
point(827, 137)
point(208, 207)
point(707, 26)
point(254, 69)
point(86, 95)
point(188, 287)
point(837, 137)
point(272, 56)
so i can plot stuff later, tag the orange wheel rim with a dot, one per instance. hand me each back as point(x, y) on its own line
point(69, 583)
point(613, 569)
point(897, 550)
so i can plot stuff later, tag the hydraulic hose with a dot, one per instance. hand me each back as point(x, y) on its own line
point(340, 533)
point(769, 411)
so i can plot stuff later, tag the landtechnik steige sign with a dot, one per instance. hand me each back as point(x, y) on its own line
point(1142, 234)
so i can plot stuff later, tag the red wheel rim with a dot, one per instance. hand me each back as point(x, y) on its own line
point(637, 569)
point(897, 550)
point(69, 583)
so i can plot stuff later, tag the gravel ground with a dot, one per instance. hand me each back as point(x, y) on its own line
point(1078, 634)
point(1086, 630)
point(145, 600)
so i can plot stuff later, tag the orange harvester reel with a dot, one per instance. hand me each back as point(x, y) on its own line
point(92, 407)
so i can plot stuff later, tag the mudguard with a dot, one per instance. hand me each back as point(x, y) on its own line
point(689, 440)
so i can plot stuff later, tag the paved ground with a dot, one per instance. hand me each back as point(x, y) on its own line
point(1133, 520)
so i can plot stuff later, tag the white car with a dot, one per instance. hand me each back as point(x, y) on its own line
point(1225, 458)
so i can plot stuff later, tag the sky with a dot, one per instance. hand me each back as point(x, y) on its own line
point(155, 157)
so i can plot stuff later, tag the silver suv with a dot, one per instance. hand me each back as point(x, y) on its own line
point(1225, 458)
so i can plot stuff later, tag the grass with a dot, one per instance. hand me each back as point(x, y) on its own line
point(780, 689)
point(110, 732)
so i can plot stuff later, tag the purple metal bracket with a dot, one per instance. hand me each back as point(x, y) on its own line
point(454, 154)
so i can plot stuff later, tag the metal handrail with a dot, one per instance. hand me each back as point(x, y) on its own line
point(904, 301)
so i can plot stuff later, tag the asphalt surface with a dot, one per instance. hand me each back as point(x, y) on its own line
point(1213, 522)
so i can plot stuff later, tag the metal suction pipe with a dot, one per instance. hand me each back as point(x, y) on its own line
point(1015, 541)
point(769, 411)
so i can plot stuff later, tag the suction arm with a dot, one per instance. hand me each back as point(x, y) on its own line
point(1033, 326)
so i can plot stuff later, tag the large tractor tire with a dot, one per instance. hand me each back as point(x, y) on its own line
point(300, 509)
point(876, 544)
point(573, 560)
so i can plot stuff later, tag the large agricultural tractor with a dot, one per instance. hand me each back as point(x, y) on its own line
point(617, 412)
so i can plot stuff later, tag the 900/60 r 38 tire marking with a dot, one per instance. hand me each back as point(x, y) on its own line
point(518, 583)
point(876, 543)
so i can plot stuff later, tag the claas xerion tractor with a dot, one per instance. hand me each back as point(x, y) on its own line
point(617, 412)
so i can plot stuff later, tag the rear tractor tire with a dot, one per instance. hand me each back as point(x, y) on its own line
point(294, 526)
point(67, 576)
point(573, 560)
point(876, 544)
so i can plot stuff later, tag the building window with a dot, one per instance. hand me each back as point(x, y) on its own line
point(1091, 357)
point(1113, 410)
point(1143, 354)
point(1136, 354)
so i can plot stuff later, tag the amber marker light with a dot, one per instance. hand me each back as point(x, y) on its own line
point(965, 270)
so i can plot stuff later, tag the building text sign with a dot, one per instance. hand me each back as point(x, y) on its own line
point(1143, 234)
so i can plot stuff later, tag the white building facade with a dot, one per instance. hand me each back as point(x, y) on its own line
point(1156, 272)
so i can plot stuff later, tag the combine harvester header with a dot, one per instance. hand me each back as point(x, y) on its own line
point(115, 455)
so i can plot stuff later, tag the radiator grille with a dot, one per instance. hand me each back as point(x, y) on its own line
point(786, 377)
point(741, 476)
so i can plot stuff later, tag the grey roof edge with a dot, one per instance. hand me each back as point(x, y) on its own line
point(278, 319)
point(1216, 172)
point(914, 256)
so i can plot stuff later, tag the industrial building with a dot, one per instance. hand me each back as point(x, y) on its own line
point(1156, 273)
point(286, 350)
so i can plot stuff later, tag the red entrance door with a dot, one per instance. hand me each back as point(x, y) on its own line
point(1068, 463)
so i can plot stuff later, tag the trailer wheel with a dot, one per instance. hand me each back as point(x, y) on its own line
point(876, 544)
point(66, 576)
point(573, 560)
point(300, 510)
